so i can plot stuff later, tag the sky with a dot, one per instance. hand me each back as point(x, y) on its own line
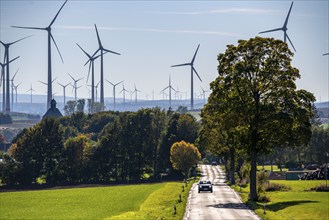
point(151, 36)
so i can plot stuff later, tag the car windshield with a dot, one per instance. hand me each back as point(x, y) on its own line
point(204, 182)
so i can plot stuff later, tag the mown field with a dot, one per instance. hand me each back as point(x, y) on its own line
point(298, 203)
point(268, 168)
point(144, 201)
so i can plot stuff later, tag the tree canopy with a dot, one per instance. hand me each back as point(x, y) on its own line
point(254, 103)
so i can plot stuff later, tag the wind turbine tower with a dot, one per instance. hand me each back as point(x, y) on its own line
point(192, 70)
point(283, 28)
point(102, 49)
point(31, 90)
point(114, 85)
point(6, 57)
point(91, 60)
point(50, 38)
point(169, 87)
point(124, 93)
point(12, 90)
point(64, 87)
point(75, 86)
point(135, 91)
point(3, 65)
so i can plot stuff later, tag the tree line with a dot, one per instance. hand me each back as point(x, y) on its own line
point(97, 148)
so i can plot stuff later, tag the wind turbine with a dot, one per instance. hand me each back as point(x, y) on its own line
point(75, 86)
point(6, 60)
point(192, 70)
point(15, 88)
point(114, 85)
point(135, 91)
point(31, 90)
point(12, 90)
point(91, 60)
point(96, 87)
point(177, 93)
point(325, 54)
point(47, 85)
point(3, 65)
point(204, 94)
point(283, 28)
point(64, 87)
point(102, 49)
point(124, 93)
point(50, 37)
point(170, 88)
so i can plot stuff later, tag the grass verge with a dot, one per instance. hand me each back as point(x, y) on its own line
point(144, 201)
point(297, 203)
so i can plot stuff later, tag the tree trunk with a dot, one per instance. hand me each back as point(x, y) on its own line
point(253, 174)
point(232, 167)
point(226, 167)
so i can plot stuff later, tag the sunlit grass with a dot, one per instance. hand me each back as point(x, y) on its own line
point(297, 203)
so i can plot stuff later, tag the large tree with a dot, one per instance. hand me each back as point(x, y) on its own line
point(183, 156)
point(256, 88)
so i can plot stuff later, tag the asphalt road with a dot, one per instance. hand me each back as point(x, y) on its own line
point(223, 203)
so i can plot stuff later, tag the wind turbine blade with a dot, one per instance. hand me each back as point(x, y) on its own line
point(14, 59)
point(184, 64)
point(164, 89)
point(19, 40)
point(109, 82)
point(287, 18)
point(42, 82)
point(88, 72)
point(15, 74)
point(71, 77)
point(60, 84)
point(99, 40)
point(51, 23)
point(84, 52)
point(54, 80)
point(325, 54)
point(57, 47)
point(96, 52)
point(291, 42)
point(111, 51)
point(196, 73)
point(119, 83)
point(195, 54)
point(277, 29)
point(79, 79)
point(34, 28)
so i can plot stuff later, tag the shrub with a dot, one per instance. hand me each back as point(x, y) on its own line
point(264, 198)
point(261, 180)
point(277, 187)
point(321, 188)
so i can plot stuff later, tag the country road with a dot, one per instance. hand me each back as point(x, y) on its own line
point(223, 203)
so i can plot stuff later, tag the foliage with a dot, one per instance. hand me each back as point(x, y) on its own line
point(69, 108)
point(255, 103)
point(277, 187)
point(183, 156)
point(81, 105)
point(262, 178)
point(102, 147)
point(5, 119)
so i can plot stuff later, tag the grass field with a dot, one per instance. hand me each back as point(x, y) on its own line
point(268, 168)
point(145, 201)
point(298, 203)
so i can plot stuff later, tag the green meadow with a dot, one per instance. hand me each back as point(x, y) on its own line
point(298, 203)
point(144, 201)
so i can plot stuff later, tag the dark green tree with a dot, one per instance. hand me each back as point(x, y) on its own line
point(81, 105)
point(256, 87)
